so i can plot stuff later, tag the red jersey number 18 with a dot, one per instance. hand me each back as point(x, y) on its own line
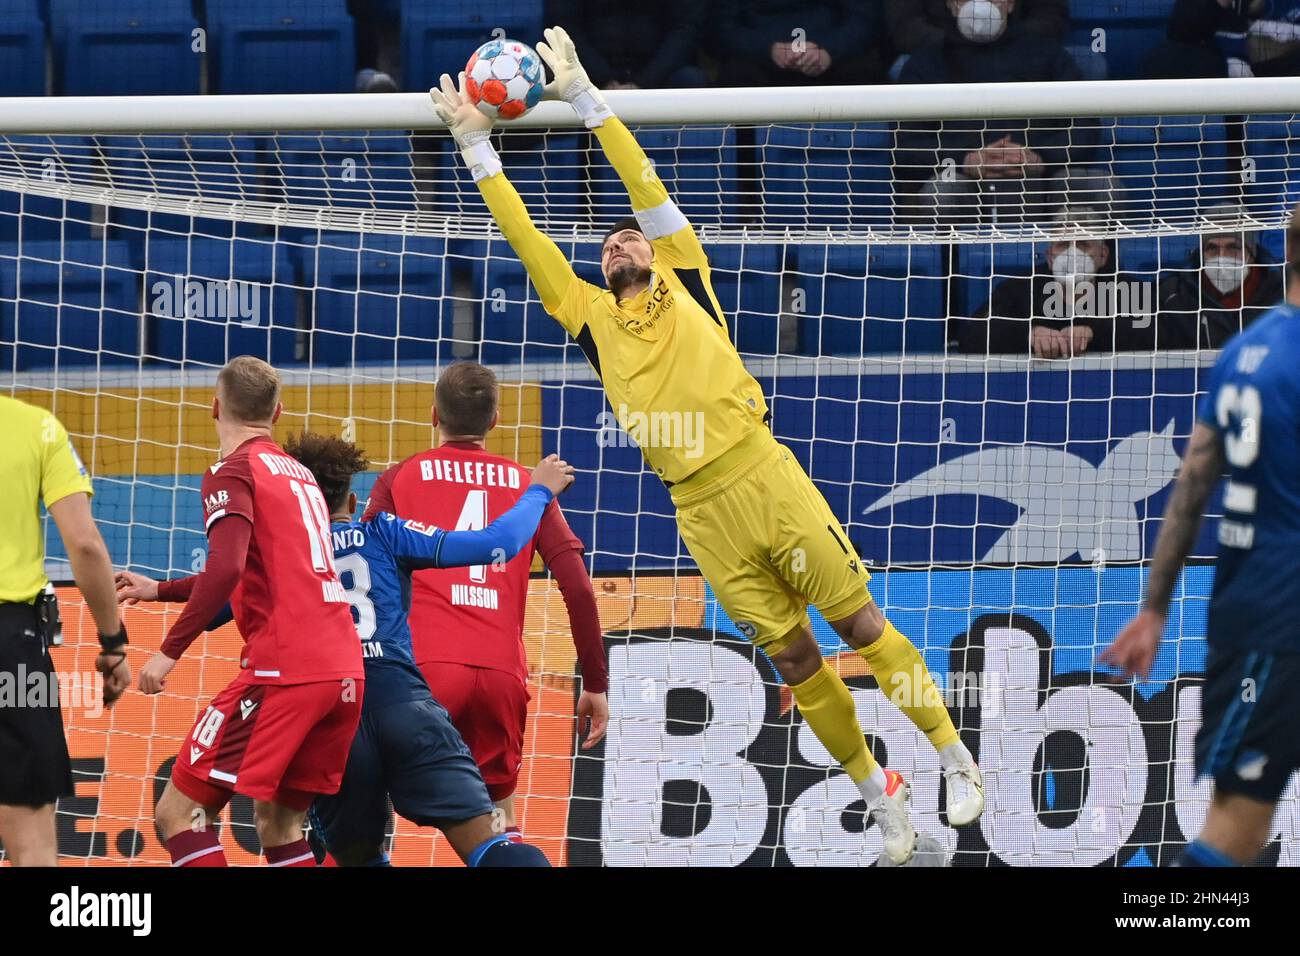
point(316, 519)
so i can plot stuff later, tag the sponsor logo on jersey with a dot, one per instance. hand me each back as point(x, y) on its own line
point(217, 467)
point(216, 501)
point(420, 526)
point(246, 707)
point(195, 754)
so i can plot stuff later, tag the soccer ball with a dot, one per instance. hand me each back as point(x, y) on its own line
point(504, 79)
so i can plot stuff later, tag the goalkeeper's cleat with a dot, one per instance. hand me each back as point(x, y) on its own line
point(889, 813)
point(965, 789)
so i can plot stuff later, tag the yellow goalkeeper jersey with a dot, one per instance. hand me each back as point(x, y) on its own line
point(672, 376)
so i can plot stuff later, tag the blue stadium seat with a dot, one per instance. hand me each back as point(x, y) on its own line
point(511, 324)
point(981, 266)
point(1170, 166)
point(747, 282)
point(124, 47)
point(367, 170)
point(22, 49)
point(376, 298)
point(1272, 160)
point(439, 37)
point(898, 289)
point(212, 165)
point(68, 303)
point(208, 300)
point(836, 176)
point(281, 46)
point(696, 164)
point(1129, 29)
point(53, 159)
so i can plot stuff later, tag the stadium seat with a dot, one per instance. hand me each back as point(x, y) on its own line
point(511, 324)
point(22, 49)
point(834, 176)
point(1124, 31)
point(1272, 161)
point(376, 298)
point(981, 266)
point(696, 164)
point(56, 160)
point(747, 282)
point(1170, 166)
point(68, 303)
point(898, 289)
point(212, 165)
point(217, 319)
point(439, 37)
point(366, 170)
point(281, 46)
point(124, 47)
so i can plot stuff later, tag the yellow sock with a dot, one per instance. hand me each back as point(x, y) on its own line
point(827, 706)
point(904, 679)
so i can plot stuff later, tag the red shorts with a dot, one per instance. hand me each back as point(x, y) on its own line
point(489, 707)
point(283, 743)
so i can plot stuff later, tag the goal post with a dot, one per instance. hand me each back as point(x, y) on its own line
point(1007, 503)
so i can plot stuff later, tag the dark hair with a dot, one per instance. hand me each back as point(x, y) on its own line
point(627, 222)
point(466, 396)
point(331, 460)
point(249, 389)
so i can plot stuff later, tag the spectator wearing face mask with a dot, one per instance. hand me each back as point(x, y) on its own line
point(980, 170)
point(1226, 289)
point(914, 25)
point(1075, 303)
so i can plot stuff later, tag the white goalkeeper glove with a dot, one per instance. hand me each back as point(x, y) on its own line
point(470, 127)
point(571, 82)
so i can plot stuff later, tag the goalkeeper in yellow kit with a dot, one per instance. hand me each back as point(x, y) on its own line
point(761, 532)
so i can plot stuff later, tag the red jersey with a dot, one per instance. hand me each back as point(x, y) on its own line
point(471, 615)
point(289, 605)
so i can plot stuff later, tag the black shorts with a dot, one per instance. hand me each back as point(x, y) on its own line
point(34, 765)
point(411, 753)
point(1250, 711)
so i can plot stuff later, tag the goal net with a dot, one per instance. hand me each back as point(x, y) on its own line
point(1006, 491)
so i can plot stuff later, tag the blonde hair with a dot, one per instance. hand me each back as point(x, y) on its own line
point(249, 390)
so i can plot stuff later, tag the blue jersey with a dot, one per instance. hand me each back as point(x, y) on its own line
point(375, 559)
point(1253, 401)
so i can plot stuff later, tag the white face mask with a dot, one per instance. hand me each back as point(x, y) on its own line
point(981, 21)
point(1226, 273)
point(1074, 263)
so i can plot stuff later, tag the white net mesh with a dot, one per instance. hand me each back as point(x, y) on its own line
point(1007, 502)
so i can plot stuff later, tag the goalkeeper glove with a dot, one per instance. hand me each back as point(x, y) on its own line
point(571, 82)
point(470, 127)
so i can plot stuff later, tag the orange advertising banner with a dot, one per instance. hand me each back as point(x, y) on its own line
point(122, 757)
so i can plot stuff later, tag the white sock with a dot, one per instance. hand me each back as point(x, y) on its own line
point(873, 787)
point(955, 755)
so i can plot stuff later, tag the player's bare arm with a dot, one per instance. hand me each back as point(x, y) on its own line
point(1134, 649)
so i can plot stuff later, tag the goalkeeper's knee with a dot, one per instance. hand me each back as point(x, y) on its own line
point(500, 850)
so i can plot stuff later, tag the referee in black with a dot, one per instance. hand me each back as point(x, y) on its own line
point(38, 464)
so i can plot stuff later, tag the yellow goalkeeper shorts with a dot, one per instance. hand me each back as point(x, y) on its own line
point(768, 543)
